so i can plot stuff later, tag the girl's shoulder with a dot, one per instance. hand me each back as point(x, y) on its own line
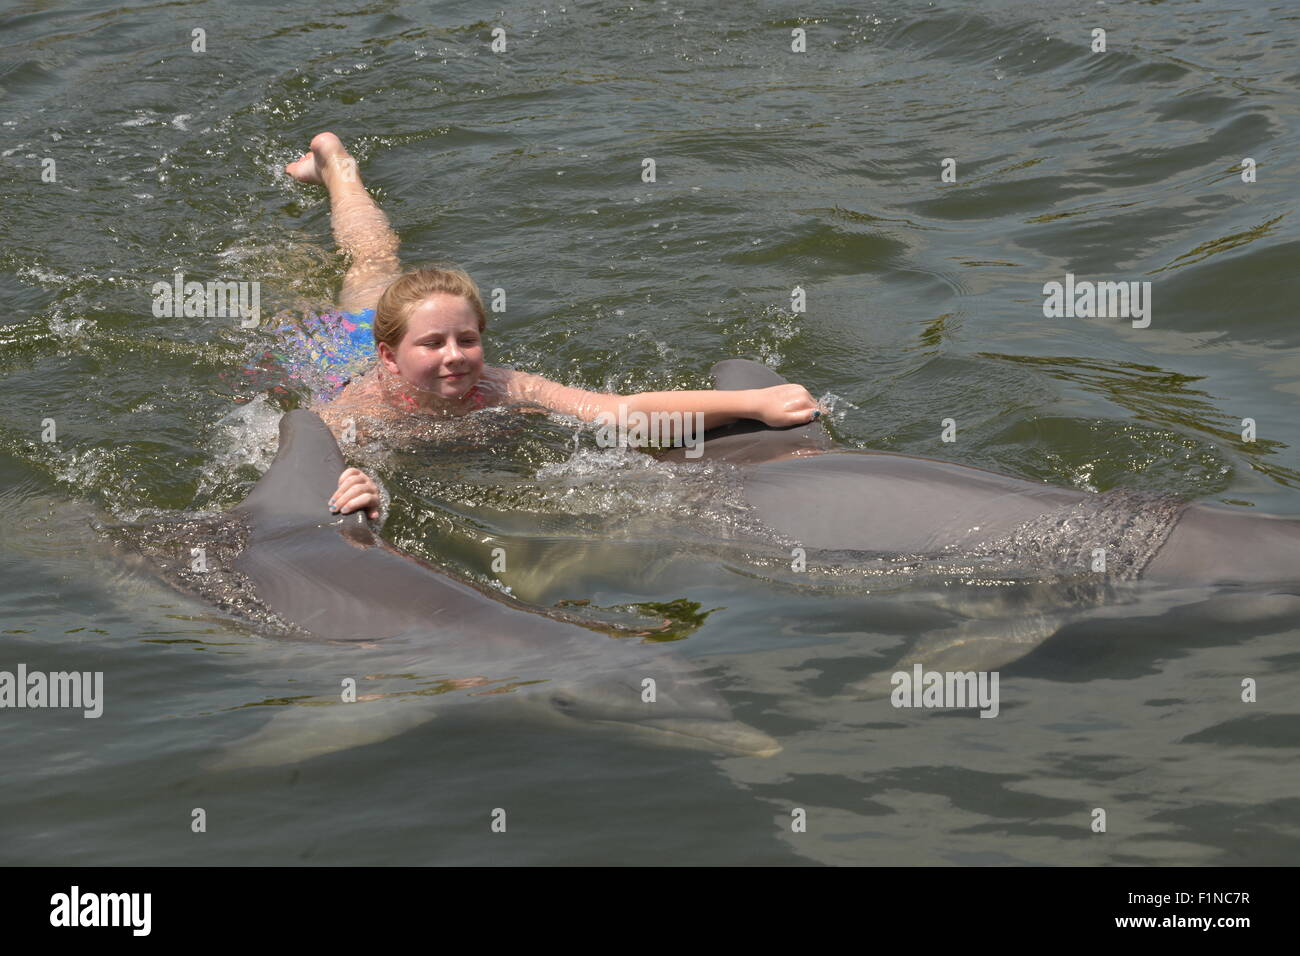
point(361, 398)
point(506, 386)
point(361, 391)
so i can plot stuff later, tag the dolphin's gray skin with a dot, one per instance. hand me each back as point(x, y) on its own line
point(887, 502)
point(1172, 553)
point(331, 578)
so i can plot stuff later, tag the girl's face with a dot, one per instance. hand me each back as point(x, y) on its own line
point(442, 350)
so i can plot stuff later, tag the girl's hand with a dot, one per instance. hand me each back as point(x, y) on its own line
point(356, 490)
point(784, 405)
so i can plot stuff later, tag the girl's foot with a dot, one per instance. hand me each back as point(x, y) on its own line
point(327, 155)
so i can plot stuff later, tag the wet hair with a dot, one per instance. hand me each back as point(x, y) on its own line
point(411, 288)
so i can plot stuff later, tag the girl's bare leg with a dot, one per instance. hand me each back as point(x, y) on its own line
point(360, 227)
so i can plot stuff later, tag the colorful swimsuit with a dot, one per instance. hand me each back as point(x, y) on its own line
point(360, 341)
point(321, 353)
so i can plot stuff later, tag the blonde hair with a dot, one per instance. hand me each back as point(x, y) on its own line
point(411, 288)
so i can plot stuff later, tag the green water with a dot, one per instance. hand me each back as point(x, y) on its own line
point(774, 170)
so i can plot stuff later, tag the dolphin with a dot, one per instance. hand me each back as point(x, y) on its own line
point(281, 560)
point(1159, 553)
point(872, 501)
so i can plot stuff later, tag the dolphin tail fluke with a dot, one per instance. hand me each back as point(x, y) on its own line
point(305, 730)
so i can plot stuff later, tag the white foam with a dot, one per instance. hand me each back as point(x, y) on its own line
point(248, 435)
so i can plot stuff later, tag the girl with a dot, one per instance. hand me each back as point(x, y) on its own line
point(428, 329)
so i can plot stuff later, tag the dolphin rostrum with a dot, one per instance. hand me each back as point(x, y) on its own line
point(283, 560)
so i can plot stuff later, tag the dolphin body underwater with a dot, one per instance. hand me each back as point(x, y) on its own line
point(281, 559)
point(1201, 563)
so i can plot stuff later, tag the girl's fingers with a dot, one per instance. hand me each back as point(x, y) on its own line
point(346, 490)
point(805, 415)
point(810, 411)
point(348, 484)
point(358, 500)
point(347, 481)
point(797, 407)
point(355, 500)
point(351, 475)
point(356, 491)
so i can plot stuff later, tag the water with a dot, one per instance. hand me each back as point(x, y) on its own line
point(774, 170)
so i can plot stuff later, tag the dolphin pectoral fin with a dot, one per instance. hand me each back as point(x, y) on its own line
point(305, 730)
point(974, 645)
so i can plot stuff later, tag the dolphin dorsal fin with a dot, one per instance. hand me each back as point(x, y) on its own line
point(751, 442)
point(732, 375)
point(303, 476)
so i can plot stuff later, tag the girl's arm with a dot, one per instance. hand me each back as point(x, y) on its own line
point(779, 406)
